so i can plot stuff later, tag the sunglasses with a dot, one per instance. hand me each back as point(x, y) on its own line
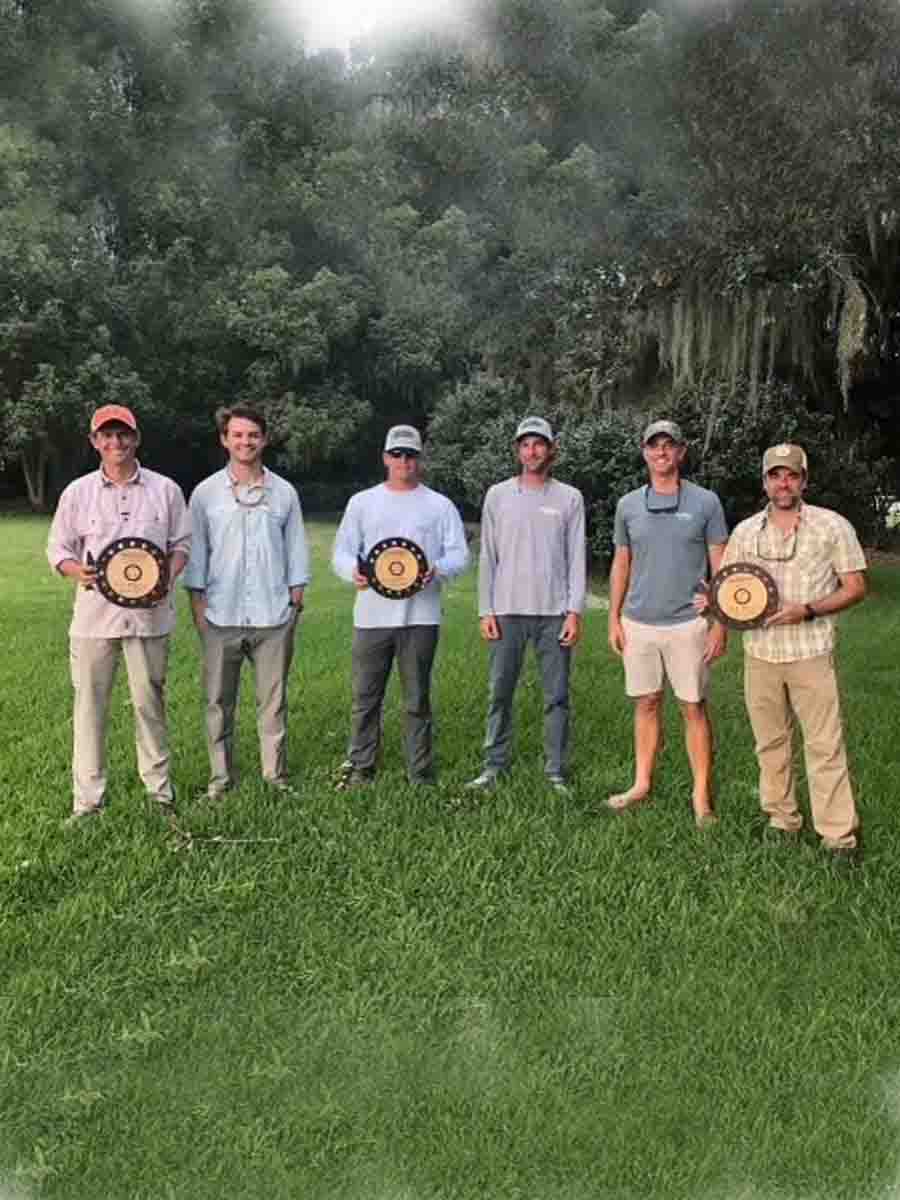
point(661, 504)
point(403, 453)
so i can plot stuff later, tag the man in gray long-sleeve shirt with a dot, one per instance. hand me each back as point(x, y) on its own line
point(531, 587)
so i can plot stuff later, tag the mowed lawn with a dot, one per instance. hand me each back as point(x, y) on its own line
point(393, 996)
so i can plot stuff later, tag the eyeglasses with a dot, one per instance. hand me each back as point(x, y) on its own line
point(792, 542)
point(403, 453)
point(655, 508)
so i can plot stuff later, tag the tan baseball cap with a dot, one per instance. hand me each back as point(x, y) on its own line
point(784, 455)
point(108, 413)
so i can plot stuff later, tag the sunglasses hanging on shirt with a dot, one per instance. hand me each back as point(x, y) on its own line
point(661, 502)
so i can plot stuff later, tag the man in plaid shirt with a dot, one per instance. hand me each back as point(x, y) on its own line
point(815, 558)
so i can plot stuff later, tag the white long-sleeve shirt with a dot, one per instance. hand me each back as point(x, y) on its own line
point(422, 515)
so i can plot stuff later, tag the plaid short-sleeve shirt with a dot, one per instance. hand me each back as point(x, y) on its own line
point(806, 565)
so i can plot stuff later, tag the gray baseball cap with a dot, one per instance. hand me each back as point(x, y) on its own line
point(669, 428)
point(536, 427)
point(403, 437)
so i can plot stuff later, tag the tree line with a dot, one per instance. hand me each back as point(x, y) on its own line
point(575, 207)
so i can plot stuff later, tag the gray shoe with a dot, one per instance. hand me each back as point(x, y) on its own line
point(353, 779)
point(484, 782)
point(558, 783)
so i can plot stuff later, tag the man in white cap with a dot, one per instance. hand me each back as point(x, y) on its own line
point(531, 588)
point(818, 565)
point(669, 536)
point(385, 628)
point(121, 500)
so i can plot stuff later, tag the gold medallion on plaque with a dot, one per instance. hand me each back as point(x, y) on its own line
point(133, 573)
point(395, 568)
point(743, 595)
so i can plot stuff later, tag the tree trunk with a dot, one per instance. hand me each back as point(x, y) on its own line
point(34, 467)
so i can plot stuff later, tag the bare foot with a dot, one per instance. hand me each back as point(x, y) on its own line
point(706, 819)
point(630, 799)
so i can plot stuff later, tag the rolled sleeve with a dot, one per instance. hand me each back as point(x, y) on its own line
point(63, 541)
point(196, 572)
point(298, 571)
point(179, 535)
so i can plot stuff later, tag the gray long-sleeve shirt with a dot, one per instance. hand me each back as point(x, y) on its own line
point(533, 552)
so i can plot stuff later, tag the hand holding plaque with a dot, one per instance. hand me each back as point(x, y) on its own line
point(133, 572)
point(396, 568)
point(743, 595)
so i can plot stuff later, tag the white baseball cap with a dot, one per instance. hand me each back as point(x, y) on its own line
point(536, 427)
point(403, 437)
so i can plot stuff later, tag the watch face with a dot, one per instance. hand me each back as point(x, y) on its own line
point(133, 572)
point(743, 595)
point(396, 568)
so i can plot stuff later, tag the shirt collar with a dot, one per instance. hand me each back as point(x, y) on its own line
point(137, 477)
point(232, 482)
point(542, 490)
point(764, 516)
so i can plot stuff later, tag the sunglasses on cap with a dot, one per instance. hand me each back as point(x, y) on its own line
point(403, 453)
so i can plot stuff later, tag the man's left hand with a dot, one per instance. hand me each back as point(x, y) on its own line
point(297, 598)
point(791, 614)
point(571, 630)
point(716, 642)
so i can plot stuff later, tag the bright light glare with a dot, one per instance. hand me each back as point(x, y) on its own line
point(336, 23)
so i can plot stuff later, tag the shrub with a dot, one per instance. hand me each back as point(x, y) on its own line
point(470, 447)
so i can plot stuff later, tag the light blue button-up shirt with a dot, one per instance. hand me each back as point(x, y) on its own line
point(247, 556)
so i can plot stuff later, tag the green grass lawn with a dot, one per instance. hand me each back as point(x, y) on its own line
point(392, 997)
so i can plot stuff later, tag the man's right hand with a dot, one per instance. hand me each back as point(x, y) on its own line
point(490, 629)
point(616, 636)
point(360, 581)
point(198, 612)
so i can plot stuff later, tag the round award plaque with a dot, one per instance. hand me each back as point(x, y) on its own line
point(396, 568)
point(133, 573)
point(743, 595)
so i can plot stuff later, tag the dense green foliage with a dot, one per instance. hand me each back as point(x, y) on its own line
point(594, 204)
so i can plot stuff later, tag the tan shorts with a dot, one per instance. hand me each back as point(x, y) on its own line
point(654, 653)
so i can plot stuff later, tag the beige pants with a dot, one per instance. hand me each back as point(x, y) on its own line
point(776, 694)
point(93, 663)
point(270, 652)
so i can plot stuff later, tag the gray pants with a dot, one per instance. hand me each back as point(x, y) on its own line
point(93, 664)
point(554, 660)
point(270, 652)
point(374, 651)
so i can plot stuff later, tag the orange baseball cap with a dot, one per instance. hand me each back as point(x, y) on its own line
point(113, 412)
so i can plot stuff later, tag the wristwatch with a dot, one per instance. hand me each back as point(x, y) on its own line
point(811, 613)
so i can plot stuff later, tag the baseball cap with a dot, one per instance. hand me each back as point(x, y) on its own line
point(403, 437)
point(108, 413)
point(669, 428)
point(784, 455)
point(536, 426)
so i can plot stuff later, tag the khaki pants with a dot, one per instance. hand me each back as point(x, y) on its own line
point(93, 663)
point(807, 690)
point(270, 651)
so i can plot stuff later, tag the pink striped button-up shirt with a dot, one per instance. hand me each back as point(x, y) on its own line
point(92, 512)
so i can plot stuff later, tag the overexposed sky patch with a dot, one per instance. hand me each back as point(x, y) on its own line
point(326, 24)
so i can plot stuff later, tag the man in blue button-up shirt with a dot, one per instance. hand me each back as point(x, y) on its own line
point(248, 572)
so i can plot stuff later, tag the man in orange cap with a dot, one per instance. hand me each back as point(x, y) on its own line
point(120, 500)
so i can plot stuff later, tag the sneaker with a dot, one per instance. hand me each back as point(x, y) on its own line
point(484, 782)
point(354, 779)
point(558, 783)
